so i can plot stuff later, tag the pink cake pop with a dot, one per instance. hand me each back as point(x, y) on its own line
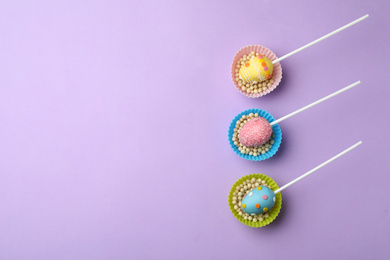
point(255, 132)
point(258, 130)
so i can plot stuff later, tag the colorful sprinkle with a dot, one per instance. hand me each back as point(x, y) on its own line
point(265, 197)
point(265, 68)
point(250, 194)
point(260, 57)
point(257, 206)
point(247, 64)
point(263, 64)
point(243, 206)
point(259, 188)
point(265, 209)
point(274, 199)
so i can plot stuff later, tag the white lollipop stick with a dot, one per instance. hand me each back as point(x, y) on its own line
point(319, 166)
point(320, 39)
point(315, 103)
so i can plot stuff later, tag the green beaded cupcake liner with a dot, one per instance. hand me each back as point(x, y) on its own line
point(273, 213)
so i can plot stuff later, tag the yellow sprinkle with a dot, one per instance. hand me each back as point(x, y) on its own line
point(259, 188)
point(244, 206)
point(265, 209)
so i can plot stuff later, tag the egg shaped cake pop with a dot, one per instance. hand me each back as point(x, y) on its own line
point(241, 188)
point(250, 75)
point(255, 132)
point(256, 197)
point(258, 69)
point(249, 132)
point(253, 151)
point(263, 79)
point(259, 200)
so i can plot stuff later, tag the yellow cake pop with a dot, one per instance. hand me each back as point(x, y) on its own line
point(257, 69)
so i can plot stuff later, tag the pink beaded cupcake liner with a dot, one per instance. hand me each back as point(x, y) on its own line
point(277, 73)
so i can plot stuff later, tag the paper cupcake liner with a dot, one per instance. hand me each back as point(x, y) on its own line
point(273, 213)
point(275, 128)
point(277, 72)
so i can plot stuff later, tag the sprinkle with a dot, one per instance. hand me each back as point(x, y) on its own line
point(257, 206)
point(265, 209)
point(259, 188)
point(265, 197)
point(243, 206)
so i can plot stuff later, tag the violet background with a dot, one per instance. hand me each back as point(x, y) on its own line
point(114, 119)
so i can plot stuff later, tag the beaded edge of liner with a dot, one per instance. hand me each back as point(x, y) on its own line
point(275, 129)
point(273, 213)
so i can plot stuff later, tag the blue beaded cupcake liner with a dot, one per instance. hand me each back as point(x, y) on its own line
point(275, 128)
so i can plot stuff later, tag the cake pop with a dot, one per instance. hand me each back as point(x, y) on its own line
point(262, 198)
point(248, 132)
point(256, 70)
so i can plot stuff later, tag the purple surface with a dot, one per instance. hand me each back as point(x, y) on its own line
point(114, 119)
